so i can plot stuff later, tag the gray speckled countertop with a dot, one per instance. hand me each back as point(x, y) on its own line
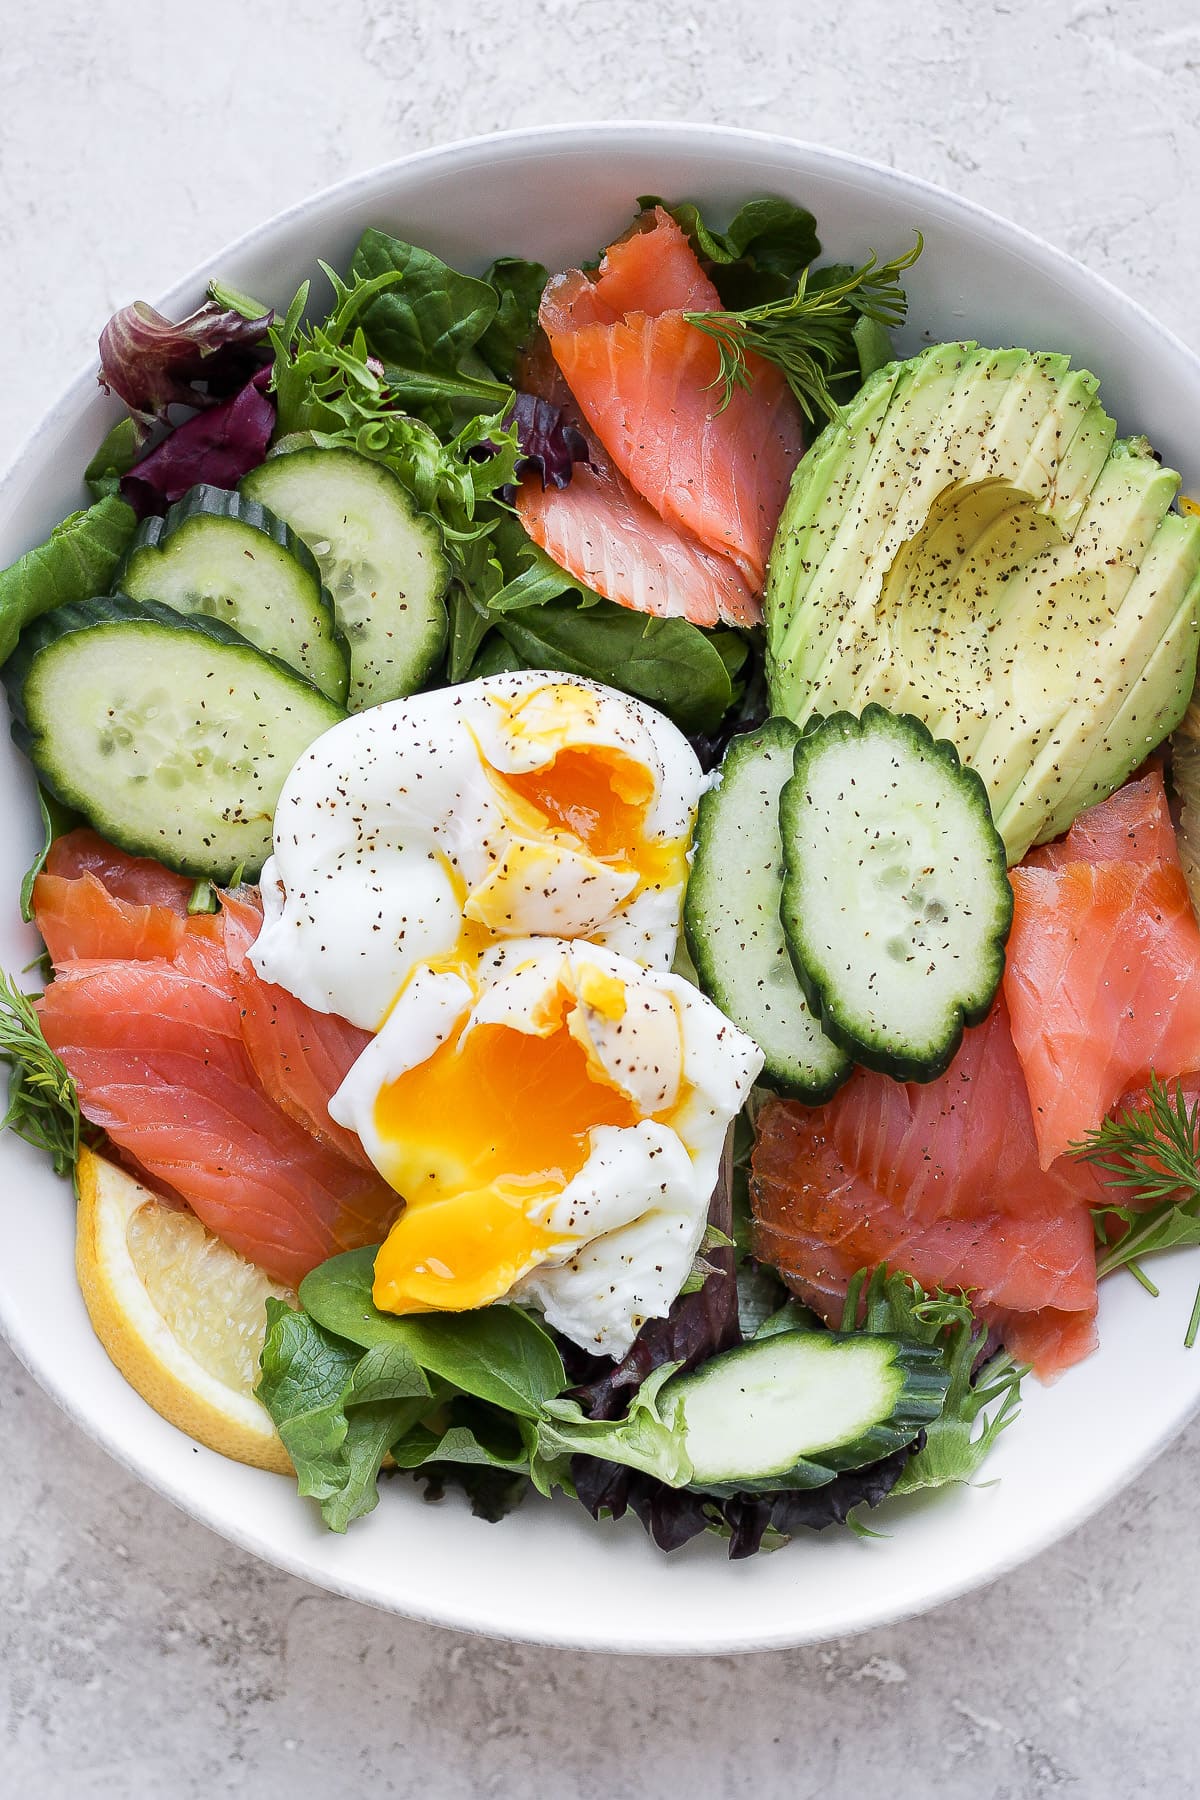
point(139, 1655)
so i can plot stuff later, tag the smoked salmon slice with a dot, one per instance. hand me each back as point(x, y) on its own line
point(936, 1147)
point(1132, 825)
point(93, 900)
point(157, 1056)
point(602, 531)
point(301, 1057)
point(212, 1082)
point(1103, 967)
point(648, 385)
point(608, 537)
point(818, 1222)
point(651, 268)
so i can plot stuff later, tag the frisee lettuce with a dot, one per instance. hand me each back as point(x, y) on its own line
point(956, 1443)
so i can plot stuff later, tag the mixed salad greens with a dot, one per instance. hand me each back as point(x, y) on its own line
point(336, 525)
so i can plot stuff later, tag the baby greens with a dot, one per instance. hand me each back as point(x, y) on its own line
point(895, 1304)
point(346, 1384)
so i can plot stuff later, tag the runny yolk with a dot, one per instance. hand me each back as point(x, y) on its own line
point(600, 797)
point(491, 1126)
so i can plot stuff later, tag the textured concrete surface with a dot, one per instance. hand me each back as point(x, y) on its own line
point(138, 1654)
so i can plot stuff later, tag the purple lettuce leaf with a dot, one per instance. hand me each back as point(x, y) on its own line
point(152, 364)
point(550, 444)
point(216, 447)
point(673, 1516)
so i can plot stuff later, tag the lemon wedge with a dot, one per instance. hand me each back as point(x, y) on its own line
point(180, 1313)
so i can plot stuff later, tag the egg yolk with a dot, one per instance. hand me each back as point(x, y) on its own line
point(600, 797)
point(483, 1133)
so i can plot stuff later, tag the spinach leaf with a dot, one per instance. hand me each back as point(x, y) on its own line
point(474, 1435)
point(494, 657)
point(668, 662)
point(761, 253)
point(78, 560)
point(518, 285)
point(477, 1450)
point(498, 1354)
point(115, 457)
point(423, 325)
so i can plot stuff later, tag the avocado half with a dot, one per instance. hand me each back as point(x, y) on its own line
point(972, 544)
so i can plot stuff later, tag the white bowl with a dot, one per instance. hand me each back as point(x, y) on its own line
point(548, 1573)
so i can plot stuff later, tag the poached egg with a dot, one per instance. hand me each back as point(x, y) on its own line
point(555, 1120)
point(422, 831)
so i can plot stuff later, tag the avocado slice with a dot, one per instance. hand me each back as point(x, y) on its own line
point(972, 545)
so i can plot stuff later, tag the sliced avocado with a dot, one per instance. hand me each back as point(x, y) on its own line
point(970, 544)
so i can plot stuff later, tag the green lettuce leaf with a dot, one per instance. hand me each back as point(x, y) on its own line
point(77, 561)
point(532, 577)
point(760, 254)
point(336, 1409)
point(56, 818)
point(641, 1440)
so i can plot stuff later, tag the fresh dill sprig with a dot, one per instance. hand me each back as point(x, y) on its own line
point(1153, 1154)
point(809, 334)
point(43, 1106)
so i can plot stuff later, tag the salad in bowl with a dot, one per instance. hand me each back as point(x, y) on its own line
point(619, 876)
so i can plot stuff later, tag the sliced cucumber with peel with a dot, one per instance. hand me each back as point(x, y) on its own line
point(381, 558)
point(796, 1408)
point(896, 900)
point(171, 734)
point(227, 558)
point(790, 1410)
point(731, 916)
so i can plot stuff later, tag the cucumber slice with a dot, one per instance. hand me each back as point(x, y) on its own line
point(896, 900)
point(382, 561)
point(790, 1410)
point(731, 916)
point(794, 1409)
point(229, 559)
point(171, 734)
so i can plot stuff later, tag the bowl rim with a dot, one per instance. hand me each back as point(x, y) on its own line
point(479, 1617)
